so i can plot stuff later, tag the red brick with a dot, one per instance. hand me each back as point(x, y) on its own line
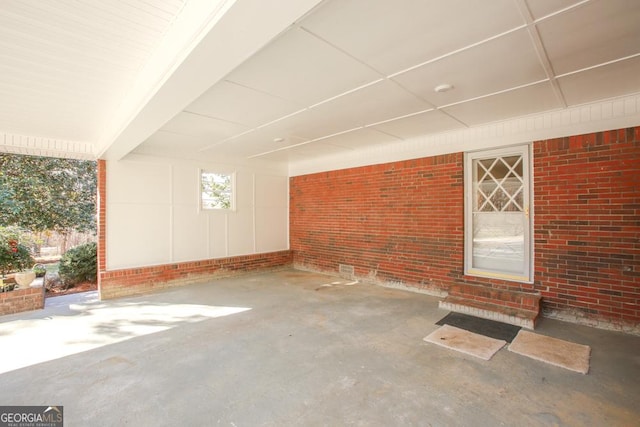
point(403, 222)
point(21, 300)
point(147, 279)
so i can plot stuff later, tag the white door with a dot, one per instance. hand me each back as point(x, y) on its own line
point(498, 220)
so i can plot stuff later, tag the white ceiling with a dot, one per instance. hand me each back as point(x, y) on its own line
point(308, 79)
point(66, 66)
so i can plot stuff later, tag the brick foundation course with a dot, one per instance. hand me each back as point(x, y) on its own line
point(20, 300)
point(133, 281)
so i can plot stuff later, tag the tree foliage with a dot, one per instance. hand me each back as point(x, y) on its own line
point(216, 191)
point(43, 193)
point(14, 254)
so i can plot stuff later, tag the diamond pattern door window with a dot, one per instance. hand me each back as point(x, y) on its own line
point(500, 185)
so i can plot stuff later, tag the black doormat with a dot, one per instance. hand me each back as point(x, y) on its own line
point(488, 328)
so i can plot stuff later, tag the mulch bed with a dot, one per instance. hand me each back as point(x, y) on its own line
point(82, 287)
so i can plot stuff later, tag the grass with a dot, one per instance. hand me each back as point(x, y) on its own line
point(53, 267)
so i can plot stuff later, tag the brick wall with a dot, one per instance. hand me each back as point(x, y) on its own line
point(20, 300)
point(587, 225)
point(395, 223)
point(102, 216)
point(402, 223)
point(132, 281)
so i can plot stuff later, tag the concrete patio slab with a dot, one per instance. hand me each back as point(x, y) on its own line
point(295, 348)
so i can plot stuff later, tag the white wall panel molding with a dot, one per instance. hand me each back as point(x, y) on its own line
point(253, 209)
point(172, 215)
point(606, 115)
point(153, 214)
point(37, 146)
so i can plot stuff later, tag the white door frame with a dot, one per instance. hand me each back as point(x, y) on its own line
point(526, 210)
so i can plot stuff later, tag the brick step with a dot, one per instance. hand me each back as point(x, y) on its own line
point(514, 316)
point(498, 296)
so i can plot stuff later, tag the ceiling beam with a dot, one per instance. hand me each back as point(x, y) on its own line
point(232, 35)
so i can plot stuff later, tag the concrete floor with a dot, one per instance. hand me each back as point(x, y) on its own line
point(296, 348)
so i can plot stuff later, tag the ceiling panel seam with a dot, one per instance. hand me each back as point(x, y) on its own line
point(626, 58)
point(456, 51)
point(222, 141)
point(212, 117)
point(384, 133)
point(541, 52)
point(233, 82)
point(339, 49)
point(433, 107)
point(400, 117)
point(350, 91)
point(306, 142)
point(494, 93)
point(561, 11)
point(611, 114)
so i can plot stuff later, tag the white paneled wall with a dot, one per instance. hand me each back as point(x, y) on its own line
point(153, 214)
point(272, 192)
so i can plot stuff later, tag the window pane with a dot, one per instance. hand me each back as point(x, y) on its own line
point(498, 241)
point(216, 190)
point(515, 162)
point(499, 186)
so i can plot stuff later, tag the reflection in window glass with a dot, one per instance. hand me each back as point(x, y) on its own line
point(498, 242)
point(216, 190)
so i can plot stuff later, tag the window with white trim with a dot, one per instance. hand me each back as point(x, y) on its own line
point(217, 191)
point(498, 221)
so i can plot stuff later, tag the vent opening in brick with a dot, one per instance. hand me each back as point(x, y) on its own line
point(346, 271)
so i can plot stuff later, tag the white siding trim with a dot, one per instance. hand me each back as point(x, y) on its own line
point(38, 146)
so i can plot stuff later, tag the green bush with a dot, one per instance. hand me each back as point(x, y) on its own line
point(79, 264)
